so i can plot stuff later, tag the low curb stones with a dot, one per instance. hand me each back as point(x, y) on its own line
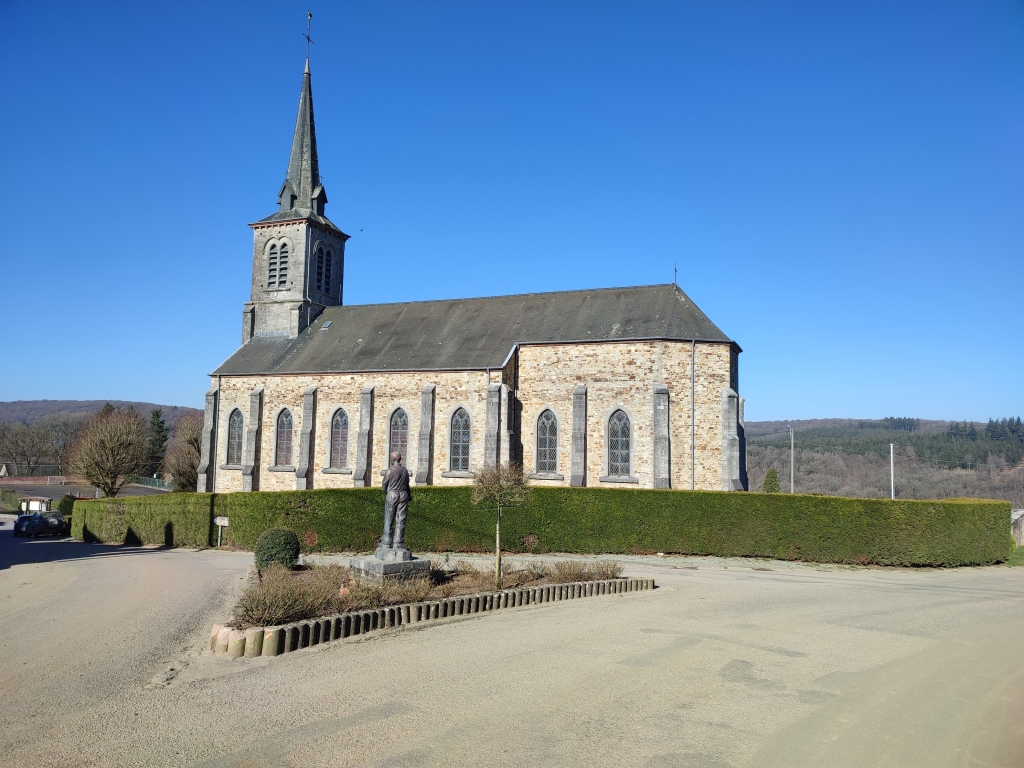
point(274, 641)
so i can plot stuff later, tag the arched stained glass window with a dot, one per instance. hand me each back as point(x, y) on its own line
point(339, 440)
point(547, 442)
point(284, 439)
point(618, 444)
point(460, 441)
point(399, 436)
point(235, 437)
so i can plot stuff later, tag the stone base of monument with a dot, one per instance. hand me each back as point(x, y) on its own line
point(390, 563)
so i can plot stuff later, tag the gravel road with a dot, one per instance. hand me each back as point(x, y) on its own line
point(729, 663)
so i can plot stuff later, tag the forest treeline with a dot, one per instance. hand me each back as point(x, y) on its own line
point(965, 445)
point(933, 460)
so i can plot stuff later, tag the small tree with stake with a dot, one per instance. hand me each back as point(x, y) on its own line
point(502, 485)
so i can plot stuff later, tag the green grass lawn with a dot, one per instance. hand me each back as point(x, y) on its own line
point(1017, 558)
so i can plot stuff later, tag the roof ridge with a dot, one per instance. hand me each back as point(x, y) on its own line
point(509, 295)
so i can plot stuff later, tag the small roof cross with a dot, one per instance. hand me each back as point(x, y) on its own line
point(309, 19)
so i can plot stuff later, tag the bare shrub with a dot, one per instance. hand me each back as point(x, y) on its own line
point(284, 596)
point(280, 597)
point(111, 450)
point(373, 594)
point(580, 570)
point(570, 570)
point(607, 569)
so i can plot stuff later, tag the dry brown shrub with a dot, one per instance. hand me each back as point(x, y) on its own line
point(570, 570)
point(580, 570)
point(282, 596)
point(607, 569)
point(371, 594)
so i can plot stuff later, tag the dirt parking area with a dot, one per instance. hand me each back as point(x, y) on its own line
point(728, 663)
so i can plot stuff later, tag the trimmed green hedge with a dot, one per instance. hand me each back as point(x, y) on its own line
point(171, 519)
point(587, 520)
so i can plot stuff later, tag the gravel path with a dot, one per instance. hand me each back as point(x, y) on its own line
point(728, 663)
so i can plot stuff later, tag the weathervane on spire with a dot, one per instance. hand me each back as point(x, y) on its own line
point(309, 19)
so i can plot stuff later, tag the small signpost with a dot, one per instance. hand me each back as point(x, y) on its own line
point(221, 523)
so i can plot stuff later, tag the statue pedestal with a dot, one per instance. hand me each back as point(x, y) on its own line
point(390, 563)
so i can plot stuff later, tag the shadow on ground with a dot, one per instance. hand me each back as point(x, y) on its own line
point(17, 550)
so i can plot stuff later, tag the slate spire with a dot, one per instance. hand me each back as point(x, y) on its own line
point(302, 189)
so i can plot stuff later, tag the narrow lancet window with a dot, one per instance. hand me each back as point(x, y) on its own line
point(618, 444)
point(235, 437)
point(327, 272)
point(460, 441)
point(284, 439)
point(399, 438)
point(547, 442)
point(339, 440)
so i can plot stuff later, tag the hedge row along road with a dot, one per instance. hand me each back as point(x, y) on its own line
point(578, 520)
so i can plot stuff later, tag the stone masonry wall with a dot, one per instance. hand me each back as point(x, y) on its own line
point(466, 389)
point(623, 375)
point(617, 375)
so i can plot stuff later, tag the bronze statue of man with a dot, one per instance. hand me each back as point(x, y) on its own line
point(396, 502)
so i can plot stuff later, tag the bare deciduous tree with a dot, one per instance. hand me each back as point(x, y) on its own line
point(61, 429)
point(111, 450)
point(502, 485)
point(25, 446)
point(182, 458)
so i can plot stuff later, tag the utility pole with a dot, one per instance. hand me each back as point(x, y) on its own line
point(791, 462)
point(892, 475)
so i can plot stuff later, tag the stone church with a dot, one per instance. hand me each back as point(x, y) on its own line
point(614, 388)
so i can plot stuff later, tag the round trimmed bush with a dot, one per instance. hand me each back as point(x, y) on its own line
point(277, 545)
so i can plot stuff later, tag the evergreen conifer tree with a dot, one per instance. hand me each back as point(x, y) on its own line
point(771, 482)
point(158, 432)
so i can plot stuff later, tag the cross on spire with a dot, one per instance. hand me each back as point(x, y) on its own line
point(309, 19)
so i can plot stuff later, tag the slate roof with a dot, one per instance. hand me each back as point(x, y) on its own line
point(471, 334)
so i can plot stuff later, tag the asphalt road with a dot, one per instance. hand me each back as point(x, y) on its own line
point(728, 663)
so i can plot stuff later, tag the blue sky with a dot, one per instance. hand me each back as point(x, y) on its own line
point(841, 185)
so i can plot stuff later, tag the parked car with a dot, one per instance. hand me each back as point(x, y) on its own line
point(45, 523)
point(21, 524)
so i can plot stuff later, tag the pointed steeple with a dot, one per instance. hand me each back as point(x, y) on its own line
point(302, 189)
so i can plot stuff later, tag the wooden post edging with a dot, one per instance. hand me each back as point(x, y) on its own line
point(275, 641)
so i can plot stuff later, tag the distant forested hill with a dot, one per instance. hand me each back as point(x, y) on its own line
point(934, 459)
point(27, 411)
point(954, 444)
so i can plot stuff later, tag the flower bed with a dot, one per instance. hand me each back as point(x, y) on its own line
point(282, 596)
point(276, 640)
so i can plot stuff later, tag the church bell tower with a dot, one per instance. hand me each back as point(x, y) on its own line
point(298, 257)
